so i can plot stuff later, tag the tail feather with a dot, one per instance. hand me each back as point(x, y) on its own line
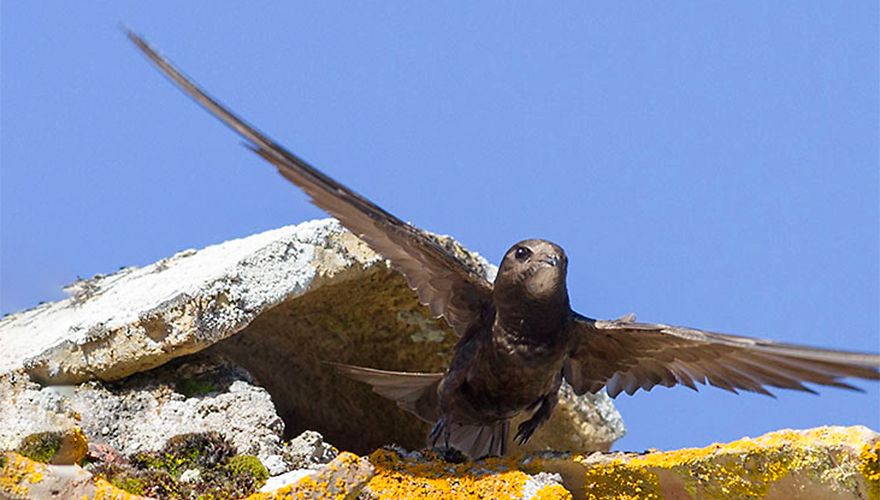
point(413, 392)
point(475, 441)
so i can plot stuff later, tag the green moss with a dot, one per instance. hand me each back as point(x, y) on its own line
point(147, 460)
point(223, 473)
point(41, 447)
point(133, 485)
point(248, 465)
point(196, 387)
point(197, 450)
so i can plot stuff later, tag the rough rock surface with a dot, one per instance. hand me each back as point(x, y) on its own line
point(275, 304)
point(142, 412)
point(139, 318)
point(342, 478)
point(23, 478)
point(822, 463)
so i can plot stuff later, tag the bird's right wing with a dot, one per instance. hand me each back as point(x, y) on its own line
point(448, 285)
point(625, 356)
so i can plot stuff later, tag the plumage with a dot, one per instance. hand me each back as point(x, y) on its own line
point(519, 337)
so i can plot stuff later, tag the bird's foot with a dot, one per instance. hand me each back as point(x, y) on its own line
point(526, 429)
point(450, 455)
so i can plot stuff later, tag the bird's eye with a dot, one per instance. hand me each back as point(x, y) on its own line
point(522, 253)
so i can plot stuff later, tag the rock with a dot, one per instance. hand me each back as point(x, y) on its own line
point(399, 474)
point(142, 412)
point(139, 318)
point(276, 304)
point(309, 450)
point(343, 478)
point(822, 463)
point(21, 477)
point(67, 447)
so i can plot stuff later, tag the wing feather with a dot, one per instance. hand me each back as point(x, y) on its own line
point(449, 286)
point(625, 356)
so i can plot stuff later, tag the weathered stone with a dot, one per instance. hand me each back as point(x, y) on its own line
point(343, 478)
point(67, 447)
point(23, 478)
point(142, 412)
point(277, 304)
point(139, 318)
point(400, 474)
point(822, 463)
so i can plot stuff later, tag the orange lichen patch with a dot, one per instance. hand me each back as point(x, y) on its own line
point(18, 473)
point(869, 466)
point(430, 477)
point(746, 468)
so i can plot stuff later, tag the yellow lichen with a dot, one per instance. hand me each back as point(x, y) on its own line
point(433, 478)
point(75, 447)
point(620, 481)
point(18, 472)
point(553, 492)
point(106, 491)
point(340, 479)
point(869, 466)
point(746, 468)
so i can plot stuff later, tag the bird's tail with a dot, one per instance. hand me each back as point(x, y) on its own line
point(413, 392)
point(475, 441)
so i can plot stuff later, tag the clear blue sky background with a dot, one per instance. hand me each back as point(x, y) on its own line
point(708, 165)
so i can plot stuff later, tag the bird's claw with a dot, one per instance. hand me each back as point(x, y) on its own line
point(525, 431)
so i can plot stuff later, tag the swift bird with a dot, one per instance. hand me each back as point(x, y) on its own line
point(519, 338)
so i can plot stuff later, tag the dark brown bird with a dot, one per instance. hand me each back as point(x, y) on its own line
point(519, 336)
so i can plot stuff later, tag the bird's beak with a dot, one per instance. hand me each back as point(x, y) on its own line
point(553, 260)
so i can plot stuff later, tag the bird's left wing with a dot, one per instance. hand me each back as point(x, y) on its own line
point(448, 285)
point(625, 356)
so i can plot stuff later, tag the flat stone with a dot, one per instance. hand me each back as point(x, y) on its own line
point(139, 318)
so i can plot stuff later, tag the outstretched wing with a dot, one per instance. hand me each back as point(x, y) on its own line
point(625, 356)
point(445, 283)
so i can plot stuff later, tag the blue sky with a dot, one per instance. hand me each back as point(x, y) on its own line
point(714, 166)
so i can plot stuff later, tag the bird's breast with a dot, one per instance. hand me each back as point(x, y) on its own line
point(512, 375)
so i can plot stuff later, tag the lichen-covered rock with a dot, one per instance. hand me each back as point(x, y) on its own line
point(343, 478)
point(822, 463)
point(142, 412)
point(426, 476)
point(23, 478)
point(67, 447)
point(277, 304)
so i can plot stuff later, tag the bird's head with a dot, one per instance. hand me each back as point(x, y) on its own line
point(534, 270)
